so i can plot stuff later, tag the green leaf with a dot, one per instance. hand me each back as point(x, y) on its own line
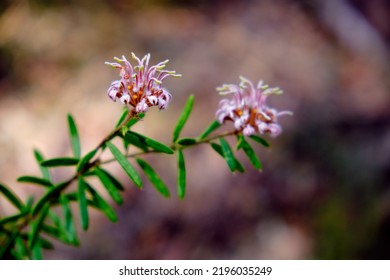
point(219, 150)
point(69, 225)
point(81, 188)
point(127, 167)
point(85, 160)
point(20, 249)
point(181, 175)
point(135, 140)
point(109, 185)
point(114, 180)
point(36, 252)
point(9, 242)
point(259, 140)
point(183, 118)
point(101, 204)
point(153, 177)
point(122, 117)
point(44, 170)
point(135, 119)
point(74, 137)
point(13, 218)
point(65, 161)
point(46, 244)
point(13, 198)
point(186, 141)
point(36, 227)
point(228, 154)
point(56, 232)
point(243, 144)
point(213, 126)
point(49, 196)
point(35, 180)
point(155, 145)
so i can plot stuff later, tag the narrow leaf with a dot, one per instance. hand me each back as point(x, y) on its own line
point(135, 140)
point(74, 137)
point(243, 144)
point(228, 154)
point(20, 249)
point(56, 232)
point(218, 148)
point(155, 145)
point(135, 119)
point(36, 252)
point(36, 226)
point(181, 175)
point(213, 126)
point(153, 177)
point(259, 140)
point(183, 118)
point(69, 225)
point(5, 248)
point(65, 161)
point(115, 181)
point(127, 167)
point(81, 188)
point(85, 160)
point(122, 117)
point(44, 170)
point(109, 185)
point(186, 141)
point(102, 205)
point(13, 198)
point(35, 180)
point(13, 218)
point(50, 195)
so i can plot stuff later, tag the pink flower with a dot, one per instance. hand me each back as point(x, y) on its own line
point(140, 86)
point(248, 109)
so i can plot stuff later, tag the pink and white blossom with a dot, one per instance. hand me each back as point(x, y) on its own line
point(140, 86)
point(247, 108)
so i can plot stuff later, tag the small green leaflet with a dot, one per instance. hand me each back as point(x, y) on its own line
point(127, 167)
point(51, 194)
point(153, 177)
point(35, 180)
point(11, 197)
point(102, 205)
point(133, 139)
point(155, 145)
point(218, 148)
point(74, 137)
point(69, 225)
point(81, 189)
point(118, 185)
point(44, 170)
point(122, 117)
point(186, 141)
point(228, 154)
point(109, 185)
point(213, 126)
point(63, 161)
point(36, 226)
point(183, 118)
point(181, 175)
point(13, 218)
point(259, 140)
point(85, 160)
point(135, 119)
point(243, 144)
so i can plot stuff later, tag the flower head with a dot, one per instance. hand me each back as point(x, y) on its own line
point(248, 109)
point(140, 85)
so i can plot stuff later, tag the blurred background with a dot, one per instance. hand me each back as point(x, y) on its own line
point(324, 192)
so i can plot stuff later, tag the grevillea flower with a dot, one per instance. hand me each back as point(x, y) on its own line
point(248, 109)
point(140, 86)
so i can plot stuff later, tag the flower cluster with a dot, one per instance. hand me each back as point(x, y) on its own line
point(140, 86)
point(248, 110)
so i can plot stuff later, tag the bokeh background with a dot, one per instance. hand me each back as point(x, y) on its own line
point(324, 192)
